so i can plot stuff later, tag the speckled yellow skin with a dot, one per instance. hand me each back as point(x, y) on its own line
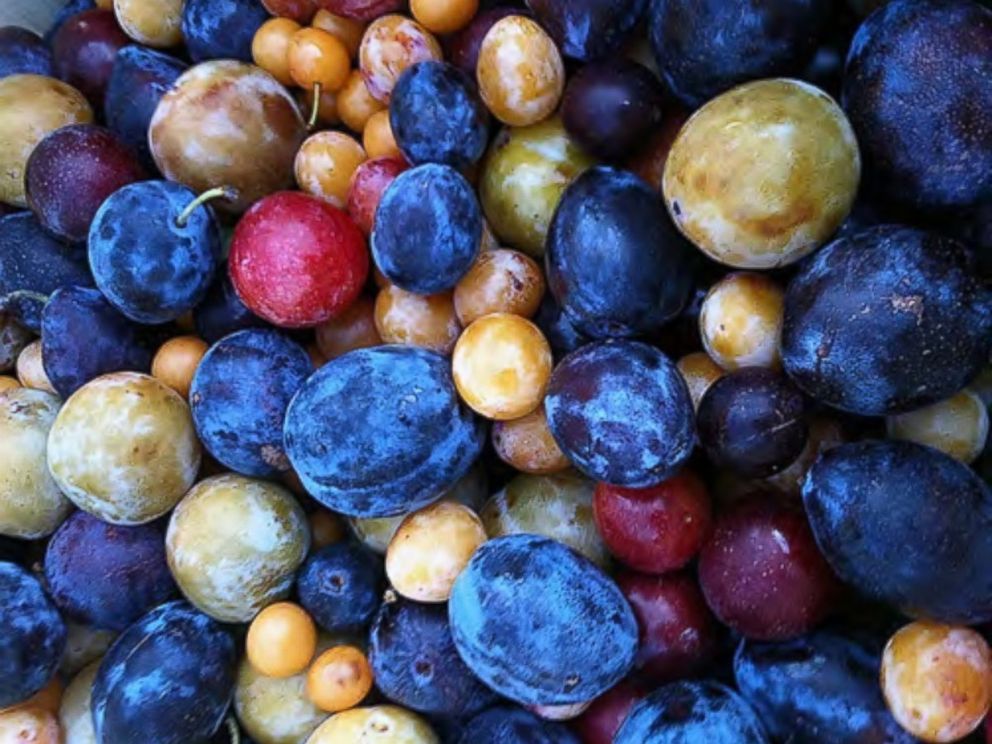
point(31, 106)
point(380, 724)
point(234, 544)
point(500, 281)
point(527, 445)
point(75, 717)
point(501, 366)
point(937, 680)
point(325, 164)
point(227, 123)
point(391, 44)
point(430, 549)
point(958, 426)
point(31, 369)
point(699, 372)
point(154, 23)
point(31, 505)
point(740, 322)
point(411, 319)
point(123, 448)
point(763, 174)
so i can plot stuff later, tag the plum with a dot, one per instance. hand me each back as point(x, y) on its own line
point(504, 724)
point(463, 46)
point(416, 664)
point(33, 636)
point(907, 525)
point(703, 711)
point(868, 319)
point(588, 29)
point(368, 184)
point(83, 51)
point(616, 264)
point(340, 586)
point(539, 623)
point(380, 432)
point(361, 10)
point(22, 51)
point(557, 328)
point(604, 716)
point(221, 29)
point(14, 338)
point(375, 724)
point(74, 712)
point(168, 679)
point(621, 412)
point(105, 575)
point(239, 395)
point(915, 84)
point(68, 9)
point(818, 689)
point(222, 312)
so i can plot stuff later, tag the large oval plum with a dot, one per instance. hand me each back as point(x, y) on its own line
point(616, 264)
point(588, 29)
point(505, 724)
point(907, 525)
point(885, 321)
point(22, 52)
point(539, 623)
point(379, 432)
point(167, 679)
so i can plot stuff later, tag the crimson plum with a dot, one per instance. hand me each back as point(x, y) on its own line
point(601, 720)
point(368, 184)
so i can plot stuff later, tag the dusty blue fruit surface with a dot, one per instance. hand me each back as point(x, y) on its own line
point(23, 52)
point(341, 586)
point(221, 29)
point(561, 333)
point(506, 725)
point(588, 29)
point(540, 624)
point(222, 312)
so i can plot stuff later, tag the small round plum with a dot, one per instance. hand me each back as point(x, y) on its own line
point(603, 718)
point(378, 138)
point(740, 322)
point(699, 372)
point(84, 49)
point(31, 369)
point(325, 165)
point(379, 724)
point(176, 361)
point(368, 183)
point(157, 24)
point(339, 679)
point(391, 44)
point(281, 640)
point(346, 30)
point(500, 281)
point(355, 103)
point(428, 321)
point(958, 426)
point(340, 586)
point(270, 47)
point(353, 329)
point(526, 444)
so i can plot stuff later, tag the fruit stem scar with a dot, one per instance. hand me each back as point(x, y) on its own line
point(315, 108)
point(220, 192)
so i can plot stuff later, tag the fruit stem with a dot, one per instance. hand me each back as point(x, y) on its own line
point(232, 729)
point(315, 109)
point(221, 192)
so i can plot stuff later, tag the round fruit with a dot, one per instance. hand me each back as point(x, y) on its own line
point(740, 322)
point(83, 51)
point(588, 29)
point(462, 48)
point(176, 361)
point(339, 679)
point(500, 281)
point(282, 640)
point(30, 724)
point(157, 24)
point(379, 724)
point(75, 718)
point(353, 329)
point(270, 47)
point(391, 44)
point(428, 321)
point(221, 29)
point(505, 723)
point(361, 10)
point(23, 52)
point(31, 369)
point(957, 426)
point(378, 139)
point(527, 445)
point(341, 586)
point(346, 30)
point(316, 57)
point(444, 16)
point(325, 165)
point(699, 372)
point(602, 719)
point(368, 183)
point(355, 104)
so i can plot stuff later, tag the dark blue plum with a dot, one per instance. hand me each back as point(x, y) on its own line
point(379, 432)
point(692, 712)
point(819, 689)
point(139, 79)
point(106, 575)
point(152, 268)
point(885, 321)
point(428, 228)
point(588, 29)
point(67, 11)
point(416, 664)
point(221, 29)
point(167, 679)
point(916, 89)
point(510, 725)
point(23, 52)
point(616, 264)
point(437, 116)
point(704, 47)
point(906, 525)
point(33, 265)
point(239, 396)
point(561, 333)
point(341, 587)
point(539, 623)
point(83, 337)
point(32, 636)
point(222, 312)
point(620, 411)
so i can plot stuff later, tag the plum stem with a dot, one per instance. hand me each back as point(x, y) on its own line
point(221, 192)
point(315, 108)
point(232, 729)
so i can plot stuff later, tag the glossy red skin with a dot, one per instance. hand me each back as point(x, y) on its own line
point(656, 529)
point(463, 47)
point(601, 720)
point(84, 49)
point(762, 573)
point(71, 172)
point(367, 187)
point(301, 11)
point(361, 10)
point(679, 636)
point(297, 261)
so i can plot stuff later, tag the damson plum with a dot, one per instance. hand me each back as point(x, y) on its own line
point(104, 575)
point(899, 284)
point(561, 333)
point(818, 689)
point(416, 665)
point(616, 265)
point(692, 711)
point(504, 724)
point(70, 174)
point(539, 623)
point(138, 80)
point(83, 337)
point(700, 55)
point(23, 52)
point(83, 52)
point(33, 638)
point(428, 228)
point(340, 586)
point(937, 148)
point(621, 412)
point(221, 29)
point(239, 396)
point(437, 117)
point(588, 29)
point(380, 432)
point(168, 679)
point(907, 525)
point(222, 312)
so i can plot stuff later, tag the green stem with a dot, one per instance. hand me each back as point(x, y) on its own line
point(221, 192)
point(315, 108)
point(232, 728)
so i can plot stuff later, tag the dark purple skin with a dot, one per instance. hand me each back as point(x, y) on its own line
point(509, 725)
point(107, 575)
point(67, 11)
point(916, 89)
point(588, 29)
point(71, 172)
point(222, 312)
point(23, 52)
point(463, 47)
point(341, 586)
point(752, 421)
point(84, 49)
point(612, 107)
point(139, 79)
point(561, 333)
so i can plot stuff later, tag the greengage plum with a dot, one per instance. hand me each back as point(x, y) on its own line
point(509, 724)
point(221, 29)
point(83, 52)
point(22, 52)
point(368, 184)
point(340, 586)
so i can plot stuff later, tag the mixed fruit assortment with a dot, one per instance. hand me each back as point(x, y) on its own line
point(471, 372)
